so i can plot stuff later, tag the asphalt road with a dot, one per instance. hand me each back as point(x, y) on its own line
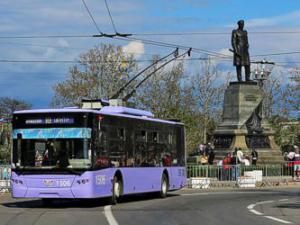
point(236, 207)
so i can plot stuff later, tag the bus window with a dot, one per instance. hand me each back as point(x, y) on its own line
point(154, 137)
point(121, 133)
point(141, 136)
point(170, 139)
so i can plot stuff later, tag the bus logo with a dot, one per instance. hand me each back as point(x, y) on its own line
point(100, 179)
point(48, 183)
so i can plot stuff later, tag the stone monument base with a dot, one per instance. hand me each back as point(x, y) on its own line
point(243, 125)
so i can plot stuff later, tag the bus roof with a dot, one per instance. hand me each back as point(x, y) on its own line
point(119, 111)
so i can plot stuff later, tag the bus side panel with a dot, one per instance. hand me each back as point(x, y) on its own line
point(100, 183)
point(178, 177)
point(143, 179)
point(18, 190)
point(103, 181)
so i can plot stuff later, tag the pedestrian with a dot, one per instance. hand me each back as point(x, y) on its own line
point(234, 165)
point(201, 149)
point(207, 149)
point(291, 157)
point(226, 165)
point(211, 156)
point(297, 163)
point(254, 156)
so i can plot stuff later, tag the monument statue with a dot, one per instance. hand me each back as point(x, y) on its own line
point(243, 123)
point(240, 45)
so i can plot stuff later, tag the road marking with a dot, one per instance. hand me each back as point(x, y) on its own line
point(278, 220)
point(264, 202)
point(251, 206)
point(109, 216)
point(283, 200)
point(252, 210)
point(191, 194)
point(221, 193)
point(256, 212)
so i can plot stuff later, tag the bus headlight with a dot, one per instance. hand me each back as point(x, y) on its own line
point(83, 181)
point(16, 181)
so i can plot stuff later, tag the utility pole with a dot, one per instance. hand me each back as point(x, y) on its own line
point(262, 73)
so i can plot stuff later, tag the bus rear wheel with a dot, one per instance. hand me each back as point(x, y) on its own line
point(164, 186)
point(116, 190)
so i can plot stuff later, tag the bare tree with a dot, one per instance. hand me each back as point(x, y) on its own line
point(100, 72)
point(208, 90)
point(9, 105)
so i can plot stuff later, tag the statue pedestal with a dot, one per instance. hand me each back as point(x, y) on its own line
point(243, 125)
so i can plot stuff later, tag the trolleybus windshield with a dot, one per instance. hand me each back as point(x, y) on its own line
point(43, 141)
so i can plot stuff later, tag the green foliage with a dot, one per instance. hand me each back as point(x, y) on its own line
point(5, 142)
point(287, 132)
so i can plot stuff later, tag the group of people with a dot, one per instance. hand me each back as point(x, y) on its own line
point(293, 158)
point(231, 162)
point(237, 157)
point(206, 153)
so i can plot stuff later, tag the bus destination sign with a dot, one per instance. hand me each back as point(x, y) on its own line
point(50, 120)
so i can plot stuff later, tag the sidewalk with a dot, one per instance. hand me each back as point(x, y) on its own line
point(213, 183)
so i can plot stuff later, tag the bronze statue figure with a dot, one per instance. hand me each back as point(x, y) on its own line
point(240, 45)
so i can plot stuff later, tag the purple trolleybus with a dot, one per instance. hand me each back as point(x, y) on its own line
point(86, 153)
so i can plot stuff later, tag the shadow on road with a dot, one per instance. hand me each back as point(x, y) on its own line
point(59, 203)
point(79, 203)
point(144, 197)
point(289, 206)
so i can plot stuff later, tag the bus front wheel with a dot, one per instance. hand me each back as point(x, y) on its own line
point(116, 190)
point(164, 186)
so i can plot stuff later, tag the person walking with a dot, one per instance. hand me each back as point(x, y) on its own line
point(254, 156)
point(297, 163)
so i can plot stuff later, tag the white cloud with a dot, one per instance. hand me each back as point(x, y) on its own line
point(134, 47)
point(63, 43)
point(289, 19)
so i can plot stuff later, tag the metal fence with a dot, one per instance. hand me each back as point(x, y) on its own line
point(5, 173)
point(231, 172)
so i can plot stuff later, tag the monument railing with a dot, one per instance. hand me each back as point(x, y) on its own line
point(231, 172)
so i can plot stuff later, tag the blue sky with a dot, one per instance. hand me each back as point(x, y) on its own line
point(33, 81)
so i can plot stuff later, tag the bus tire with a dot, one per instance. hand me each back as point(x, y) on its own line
point(116, 190)
point(164, 187)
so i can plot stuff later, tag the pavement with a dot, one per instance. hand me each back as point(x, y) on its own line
point(187, 206)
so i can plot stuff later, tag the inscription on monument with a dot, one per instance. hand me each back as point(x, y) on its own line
point(250, 98)
point(223, 141)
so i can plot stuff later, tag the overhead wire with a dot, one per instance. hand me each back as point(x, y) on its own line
point(46, 36)
point(127, 61)
point(92, 18)
point(110, 16)
point(146, 41)
point(279, 53)
point(212, 33)
point(125, 36)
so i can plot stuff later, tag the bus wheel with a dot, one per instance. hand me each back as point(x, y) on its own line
point(164, 186)
point(116, 190)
